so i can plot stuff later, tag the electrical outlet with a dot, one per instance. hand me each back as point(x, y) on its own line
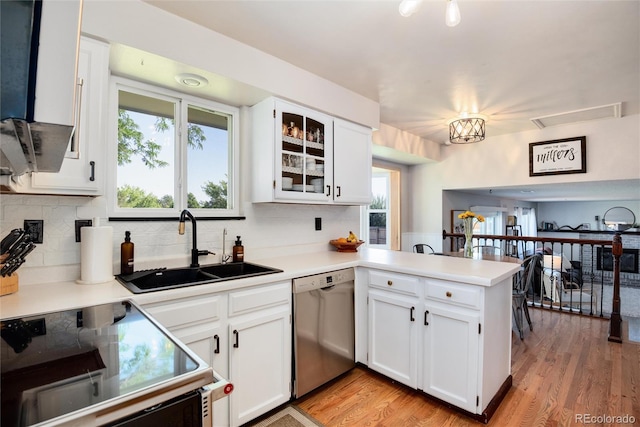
point(35, 228)
point(318, 224)
point(82, 223)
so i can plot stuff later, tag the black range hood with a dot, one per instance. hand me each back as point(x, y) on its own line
point(39, 41)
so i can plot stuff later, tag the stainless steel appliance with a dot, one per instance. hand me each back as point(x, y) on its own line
point(324, 328)
point(102, 365)
point(37, 110)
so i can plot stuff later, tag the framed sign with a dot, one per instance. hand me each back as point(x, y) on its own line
point(557, 157)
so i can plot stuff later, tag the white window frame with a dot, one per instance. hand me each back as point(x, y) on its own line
point(183, 101)
point(386, 211)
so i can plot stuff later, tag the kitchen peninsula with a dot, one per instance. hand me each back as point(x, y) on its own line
point(448, 312)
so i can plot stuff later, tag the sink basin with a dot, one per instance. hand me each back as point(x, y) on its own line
point(162, 279)
point(236, 269)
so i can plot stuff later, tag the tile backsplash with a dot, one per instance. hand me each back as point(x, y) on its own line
point(268, 230)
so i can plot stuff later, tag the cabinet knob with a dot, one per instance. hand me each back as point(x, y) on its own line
point(448, 294)
point(389, 282)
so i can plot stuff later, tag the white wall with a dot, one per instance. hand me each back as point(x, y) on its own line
point(576, 213)
point(140, 25)
point(613, 153)
point(268, 230)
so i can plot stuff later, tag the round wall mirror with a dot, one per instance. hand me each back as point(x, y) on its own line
point(619, 218)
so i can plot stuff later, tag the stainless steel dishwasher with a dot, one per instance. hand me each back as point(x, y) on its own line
point(323, 328)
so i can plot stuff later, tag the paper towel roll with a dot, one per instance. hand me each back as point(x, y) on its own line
point(96, 254)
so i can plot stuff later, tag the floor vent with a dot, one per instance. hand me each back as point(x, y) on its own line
point(595, 113)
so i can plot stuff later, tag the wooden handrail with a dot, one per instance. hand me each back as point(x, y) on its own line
point(445, 235)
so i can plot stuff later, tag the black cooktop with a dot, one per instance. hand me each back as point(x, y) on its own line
point(57, 363)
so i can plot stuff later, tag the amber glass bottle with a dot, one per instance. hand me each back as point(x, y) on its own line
point(126, 254)
point(238, 251)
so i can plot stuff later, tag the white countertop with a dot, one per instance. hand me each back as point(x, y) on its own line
point(42, 298)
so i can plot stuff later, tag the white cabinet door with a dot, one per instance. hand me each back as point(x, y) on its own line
point(296, 157)
point(82, 170)
point(393, 336)
point(259, 363)
point(209, 342)
point(451, 355)
point(303, 159)
point(351, 163)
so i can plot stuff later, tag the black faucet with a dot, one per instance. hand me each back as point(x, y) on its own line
point(195, 253)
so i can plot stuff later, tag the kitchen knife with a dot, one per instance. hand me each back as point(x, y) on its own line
point(9, 240)
point(17, 258)
point(22, 239)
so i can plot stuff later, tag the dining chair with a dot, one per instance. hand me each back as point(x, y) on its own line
point(519, 293)
point(566, 293)
point(419, 248)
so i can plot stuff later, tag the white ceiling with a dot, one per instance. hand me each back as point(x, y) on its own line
point(510, 60)
point(577, 191)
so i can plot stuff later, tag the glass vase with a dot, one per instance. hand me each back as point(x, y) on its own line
point(468, 247)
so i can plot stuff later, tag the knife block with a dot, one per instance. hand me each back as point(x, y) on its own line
point(8, 284)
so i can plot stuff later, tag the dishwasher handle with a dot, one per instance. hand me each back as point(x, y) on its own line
point(328, 288)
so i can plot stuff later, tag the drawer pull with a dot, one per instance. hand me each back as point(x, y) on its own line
point(449, 294)
point(389, 282)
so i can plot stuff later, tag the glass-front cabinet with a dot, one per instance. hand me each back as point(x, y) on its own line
point(292, 153)
point(302, 156)
point(303, 153)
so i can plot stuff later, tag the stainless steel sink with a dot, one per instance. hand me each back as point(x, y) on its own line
point(161, 279)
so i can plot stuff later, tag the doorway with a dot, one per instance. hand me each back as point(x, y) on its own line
point(381, 218)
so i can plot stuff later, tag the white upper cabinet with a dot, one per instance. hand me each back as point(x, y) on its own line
point(82, 171)
point(351, 163)
point(295, 154)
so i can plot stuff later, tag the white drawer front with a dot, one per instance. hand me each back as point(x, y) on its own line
point(453, 293)
point(394, 282)
point(188, 310)
point(258, 298)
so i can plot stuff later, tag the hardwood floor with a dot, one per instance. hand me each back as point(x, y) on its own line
point(563, 372)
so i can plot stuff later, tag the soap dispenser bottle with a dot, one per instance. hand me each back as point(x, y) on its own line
point(126, 254)
point(238, 251)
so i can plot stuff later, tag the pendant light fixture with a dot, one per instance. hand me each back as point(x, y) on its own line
point(452, 15)
point(467, 130)
point(409, 7)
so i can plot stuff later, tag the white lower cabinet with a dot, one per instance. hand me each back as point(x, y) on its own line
point(451, 340)
point(393, 336)
point(260, 351)
point(246, 337)
point(450, 355)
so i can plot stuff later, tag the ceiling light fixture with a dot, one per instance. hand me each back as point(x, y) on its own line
point(452, 16)
point(191, 80)
point(409, 7)
point(466, 130)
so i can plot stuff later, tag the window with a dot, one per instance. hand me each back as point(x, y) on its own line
point(378, 212)
point(381, 220)
point(171, 152)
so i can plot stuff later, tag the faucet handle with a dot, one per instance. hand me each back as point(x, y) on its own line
point(205, 252)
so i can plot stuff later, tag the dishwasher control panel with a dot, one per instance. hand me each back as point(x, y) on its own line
point(318, 281)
